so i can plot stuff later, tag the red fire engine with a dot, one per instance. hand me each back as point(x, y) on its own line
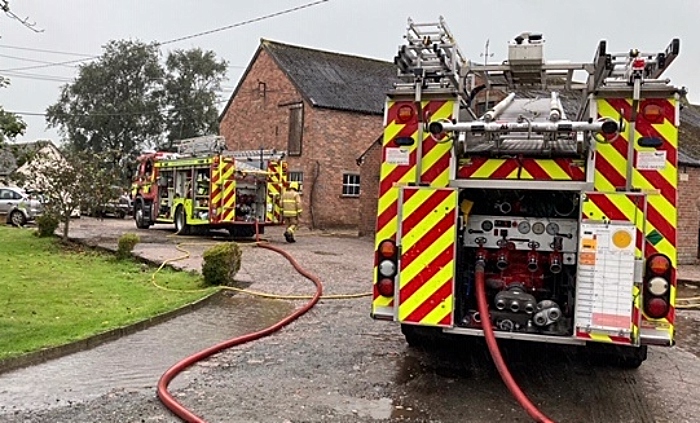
point(559, 196)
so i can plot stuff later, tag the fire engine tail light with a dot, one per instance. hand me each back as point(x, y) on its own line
point(659, 265)
point(657, 286)
point(405, 113)
point(387, 266)
point(386, 287)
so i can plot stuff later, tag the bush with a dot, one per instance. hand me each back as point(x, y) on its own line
point(47, 225)
point(221, 263)
point(126, 245)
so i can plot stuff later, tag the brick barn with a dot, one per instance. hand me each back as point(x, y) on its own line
point(324, 109)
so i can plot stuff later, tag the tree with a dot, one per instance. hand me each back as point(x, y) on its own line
point(11, 125)
point(69, 182)
point(115, 102)
point(193, 78)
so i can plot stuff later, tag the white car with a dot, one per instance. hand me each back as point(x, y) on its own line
point(18, 207)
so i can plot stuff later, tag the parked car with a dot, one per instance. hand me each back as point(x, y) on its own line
point(120, 205)
point(19, 207)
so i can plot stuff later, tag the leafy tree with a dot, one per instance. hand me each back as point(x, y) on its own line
point(71, 181)
point(115, 102)
point(11, 125)
point(193, 78)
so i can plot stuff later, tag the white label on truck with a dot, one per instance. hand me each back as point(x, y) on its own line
point(651, 160)
point(398, 156)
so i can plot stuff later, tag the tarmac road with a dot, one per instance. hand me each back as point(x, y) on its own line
point(335, 364)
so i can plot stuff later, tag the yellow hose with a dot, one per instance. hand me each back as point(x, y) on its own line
point(186, 254)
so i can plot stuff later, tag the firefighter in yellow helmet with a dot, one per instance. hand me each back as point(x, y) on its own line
point(291, 210)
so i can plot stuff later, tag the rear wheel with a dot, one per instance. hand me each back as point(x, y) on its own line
point(140, 215)
point(18, 218)
point(618, 356)
point(181, 226)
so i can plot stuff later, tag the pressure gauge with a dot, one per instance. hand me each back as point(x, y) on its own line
point(538, 228)
point(486, 225)
point(552, 228)
point(524, 227)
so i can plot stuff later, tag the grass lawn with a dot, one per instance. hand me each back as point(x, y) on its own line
point(51, 295)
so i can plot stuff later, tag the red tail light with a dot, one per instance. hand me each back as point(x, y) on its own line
point(656, 308)
point(386, 287)
point(638, 64)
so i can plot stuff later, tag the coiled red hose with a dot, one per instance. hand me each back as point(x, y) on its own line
point(513, 387)
point(170, 374)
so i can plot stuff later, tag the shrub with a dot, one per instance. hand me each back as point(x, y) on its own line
point(46, 225)
point(126, 245)
point(221, 263)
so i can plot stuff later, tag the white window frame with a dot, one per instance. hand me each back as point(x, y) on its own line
point(351, 185)
point(296, 176)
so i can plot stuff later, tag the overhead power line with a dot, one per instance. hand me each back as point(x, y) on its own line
point(39, 50)
point(187, 37)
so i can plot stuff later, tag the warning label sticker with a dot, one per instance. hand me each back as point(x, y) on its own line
point(397, 156)
point(651, 160)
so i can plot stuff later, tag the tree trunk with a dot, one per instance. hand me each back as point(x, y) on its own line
point(66, 223)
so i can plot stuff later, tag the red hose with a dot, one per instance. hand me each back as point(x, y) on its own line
point(513, 387)
point(170, 374)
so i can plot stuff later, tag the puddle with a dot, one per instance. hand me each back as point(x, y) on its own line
point(136, 361)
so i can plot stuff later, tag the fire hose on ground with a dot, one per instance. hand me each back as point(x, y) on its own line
point(508, 379)
point(173, 405)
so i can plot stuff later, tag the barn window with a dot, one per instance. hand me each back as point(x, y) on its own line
point(351, 185)
point(296, 176)
point(296, 129)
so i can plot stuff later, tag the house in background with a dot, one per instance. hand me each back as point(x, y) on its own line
point(15, 158)
point(323, 109)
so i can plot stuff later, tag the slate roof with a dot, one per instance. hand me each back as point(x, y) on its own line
point(332, 80)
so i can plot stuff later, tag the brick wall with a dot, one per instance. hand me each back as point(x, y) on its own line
point(369, 172)
point(688, 214)
point(258, 117)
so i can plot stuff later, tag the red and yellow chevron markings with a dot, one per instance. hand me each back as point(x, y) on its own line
point(274, 191)
point(659, 181)
point(560, 169)
point(435, 168)
point(428, 230)
point(225, 191)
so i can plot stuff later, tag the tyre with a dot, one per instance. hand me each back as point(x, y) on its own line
point(633, 359)
point(140, 217)
point(181, 226)
point(17, 218)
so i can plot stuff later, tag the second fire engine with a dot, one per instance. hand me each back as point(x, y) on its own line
point(204, 186)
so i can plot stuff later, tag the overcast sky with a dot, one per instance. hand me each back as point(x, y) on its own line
point(371, 28)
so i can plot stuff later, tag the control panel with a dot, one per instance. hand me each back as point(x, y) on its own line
point(526, 233)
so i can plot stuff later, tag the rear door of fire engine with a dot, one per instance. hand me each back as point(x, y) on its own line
point(427, 234)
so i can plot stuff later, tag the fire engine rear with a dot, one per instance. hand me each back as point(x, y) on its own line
point(563, 193)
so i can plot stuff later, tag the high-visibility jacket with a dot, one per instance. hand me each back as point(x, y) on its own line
point(291, 203)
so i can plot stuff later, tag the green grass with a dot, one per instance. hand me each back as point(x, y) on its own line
point(51, 295)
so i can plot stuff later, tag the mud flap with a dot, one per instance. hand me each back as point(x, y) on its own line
point(427, 235)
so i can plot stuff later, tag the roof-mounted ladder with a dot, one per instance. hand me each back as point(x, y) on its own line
point(430, 59)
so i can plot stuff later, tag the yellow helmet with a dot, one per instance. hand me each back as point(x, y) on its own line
point(294, 186)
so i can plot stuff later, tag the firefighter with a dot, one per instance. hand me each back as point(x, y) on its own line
point(291, 210)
